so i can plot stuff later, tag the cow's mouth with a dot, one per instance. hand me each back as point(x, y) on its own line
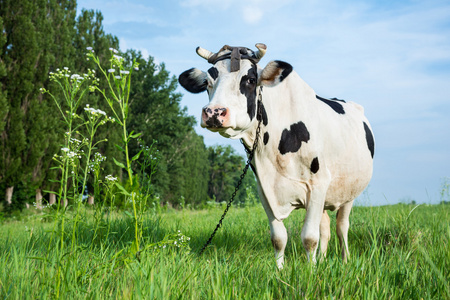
point(214, 122)
point(214, 118)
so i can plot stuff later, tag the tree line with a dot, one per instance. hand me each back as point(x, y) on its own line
point(41, 36)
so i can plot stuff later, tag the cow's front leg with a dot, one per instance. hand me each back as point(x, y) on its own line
point(313, 218)
point(278, 235)
point(311, 231)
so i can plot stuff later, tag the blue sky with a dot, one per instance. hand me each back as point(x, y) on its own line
point(392, 57)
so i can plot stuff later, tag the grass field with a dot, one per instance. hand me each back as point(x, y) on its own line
point(397, 252)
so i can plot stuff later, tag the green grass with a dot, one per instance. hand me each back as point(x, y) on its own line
point(397, 252)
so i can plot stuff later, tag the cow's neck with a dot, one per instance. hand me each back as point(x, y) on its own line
point(284, 105)
point(248, 138)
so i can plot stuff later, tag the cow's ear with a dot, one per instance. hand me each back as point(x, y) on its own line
point(193, 80)
point(274, 73)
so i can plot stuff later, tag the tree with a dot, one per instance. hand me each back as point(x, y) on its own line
point(3, 99)
point(225, 170)
point(196, 170)
point(37, 34)
point(20, 53)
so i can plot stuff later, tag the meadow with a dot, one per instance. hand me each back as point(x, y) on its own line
point(397, 252)
point(71, 250)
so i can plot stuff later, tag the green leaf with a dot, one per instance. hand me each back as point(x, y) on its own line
point(122, 189)
point(119, 163)
point(120, 148)
point(134, 136)
point(137, 155)
point(48, 192)
point(37, 258)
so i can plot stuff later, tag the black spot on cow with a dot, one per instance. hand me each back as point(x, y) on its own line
point(314, 165)
point(287, 69)
point(247, 87)
point(292, 138)
point(369, 139)
point(191, 83)
point(213, 72)
point(265, 120)
point(334, 104)
point(266, 138)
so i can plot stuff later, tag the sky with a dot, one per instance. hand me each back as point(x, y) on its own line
point(392, 57)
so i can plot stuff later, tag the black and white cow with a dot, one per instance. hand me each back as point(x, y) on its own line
point(314, 153)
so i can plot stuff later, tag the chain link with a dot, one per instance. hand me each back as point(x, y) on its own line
point(250, 153)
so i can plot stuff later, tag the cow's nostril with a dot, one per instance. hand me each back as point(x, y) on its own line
point(224, 112)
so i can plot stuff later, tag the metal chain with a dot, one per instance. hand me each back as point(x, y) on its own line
point(251, 153)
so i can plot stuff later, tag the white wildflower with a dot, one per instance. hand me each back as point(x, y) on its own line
point(76, 77)
point(124, 72)
point(65, 149)
point(111, 178)
point(72, 154)
point(111, 70)
point(117, 77)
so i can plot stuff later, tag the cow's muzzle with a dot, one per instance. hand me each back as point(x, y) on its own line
point(215, 117)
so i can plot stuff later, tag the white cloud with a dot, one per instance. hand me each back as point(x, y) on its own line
point(252, 15)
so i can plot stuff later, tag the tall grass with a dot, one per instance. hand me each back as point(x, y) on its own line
point(397, 252)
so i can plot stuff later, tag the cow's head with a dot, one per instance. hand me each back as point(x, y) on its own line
point(232, 86)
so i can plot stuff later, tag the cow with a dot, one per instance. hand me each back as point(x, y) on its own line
point(314, 153)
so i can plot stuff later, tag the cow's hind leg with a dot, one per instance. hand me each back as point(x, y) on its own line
point(324, 233)
point(342, 225)
point(278, 235)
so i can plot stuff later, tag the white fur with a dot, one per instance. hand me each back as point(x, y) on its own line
point(198, 75)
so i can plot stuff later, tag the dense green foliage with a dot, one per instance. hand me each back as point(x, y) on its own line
point(43, 36)
point(397, 252)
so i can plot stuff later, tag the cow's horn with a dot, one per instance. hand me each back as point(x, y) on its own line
point(261, 50)
point(206, 54)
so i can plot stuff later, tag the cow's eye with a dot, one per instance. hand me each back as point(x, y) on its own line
point(251, 80)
